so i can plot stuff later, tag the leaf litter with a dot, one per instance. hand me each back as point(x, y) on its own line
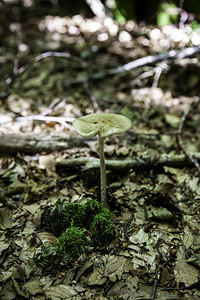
point(157, 221)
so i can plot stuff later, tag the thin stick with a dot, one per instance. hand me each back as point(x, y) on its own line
point(140, 62)
point(195, 285)
point(159, 271)
point(63, 121)
point(104, 200)
point(38, 58)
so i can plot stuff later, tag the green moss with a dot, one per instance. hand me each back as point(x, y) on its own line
point(72, 213)
point(91, 216)
point(102, 227)
point(78, 227)
point(72, 241)
point(90, 208)
point(64, 214)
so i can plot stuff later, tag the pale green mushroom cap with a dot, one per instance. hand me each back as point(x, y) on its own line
point(103, 124)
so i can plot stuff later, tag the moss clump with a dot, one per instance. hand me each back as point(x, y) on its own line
point(73, 223)
point(72, 241)
point(102, 227)
point(71, 213)
point(64, 214)
point(90, 209)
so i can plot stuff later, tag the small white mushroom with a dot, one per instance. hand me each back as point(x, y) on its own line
point(103, 124)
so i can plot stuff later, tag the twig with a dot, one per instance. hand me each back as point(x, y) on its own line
point(60, 104)
point(172, 54)
point(195, 285)
point(151, 59)
point(126, 227)
point(111, 284)
point(54, 106)
point(141, 62)
point(60, 120)
point(38, 58)
point(158, 71)
point(157, 277)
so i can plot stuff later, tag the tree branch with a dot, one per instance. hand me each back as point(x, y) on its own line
point(135, 163)
point(38, 58)
point(140, 62)
point(34, 143)
point(47, 143)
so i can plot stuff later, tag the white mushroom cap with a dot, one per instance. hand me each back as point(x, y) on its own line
point(103, 124)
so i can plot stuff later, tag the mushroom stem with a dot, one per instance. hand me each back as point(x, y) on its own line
point(104, 200)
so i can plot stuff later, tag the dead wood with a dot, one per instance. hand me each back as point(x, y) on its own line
point(47, 143)
point(34, 143)
point(135, 163)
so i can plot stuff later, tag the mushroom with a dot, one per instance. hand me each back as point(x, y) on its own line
point(103, 124)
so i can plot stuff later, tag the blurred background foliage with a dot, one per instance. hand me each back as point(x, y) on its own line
point(154, 11)
point(158, 12)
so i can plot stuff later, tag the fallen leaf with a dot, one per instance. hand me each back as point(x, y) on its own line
point(33, 287)
point(185, 273)
point(61, 292)
point(5, 220)
point(3, 246)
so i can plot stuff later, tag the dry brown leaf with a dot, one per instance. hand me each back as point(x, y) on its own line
point(33, 286)
point(185, 273)
point(3, 246)
point(61, 292)
point(5, 221)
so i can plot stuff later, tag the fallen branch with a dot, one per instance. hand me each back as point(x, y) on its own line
point(172, 54)
point(135, 163)
point(37, 143)
point(38, 58)
point(40, 118)
point(47, 143)
point(140, 62)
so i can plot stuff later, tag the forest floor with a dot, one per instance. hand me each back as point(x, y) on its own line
point(55, 69)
